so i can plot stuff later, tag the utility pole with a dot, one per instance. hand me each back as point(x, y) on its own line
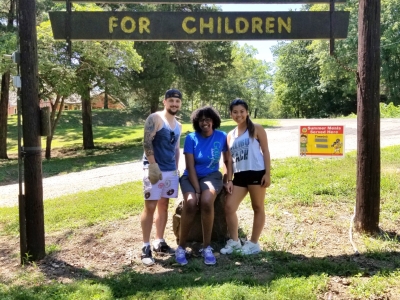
point(368, 118)
point(31, 150)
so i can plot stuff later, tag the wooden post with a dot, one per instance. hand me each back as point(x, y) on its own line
point(31, 131)
point(368, 118)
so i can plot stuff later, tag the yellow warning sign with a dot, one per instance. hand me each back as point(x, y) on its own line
point(321, 141)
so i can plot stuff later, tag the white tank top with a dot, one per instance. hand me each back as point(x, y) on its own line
point(246, 153)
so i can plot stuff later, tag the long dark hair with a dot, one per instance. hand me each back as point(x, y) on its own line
point(249, 123)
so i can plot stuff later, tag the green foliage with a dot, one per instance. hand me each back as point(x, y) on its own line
point(300, 89)
point(8, 44)
point(309, 82)
point(157, 76)
point(389, 110)
point(390, 62)
point(249, 79)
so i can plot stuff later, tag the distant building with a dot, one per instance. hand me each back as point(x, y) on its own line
point(12, 103)
point(73, 102)
point(113, 103)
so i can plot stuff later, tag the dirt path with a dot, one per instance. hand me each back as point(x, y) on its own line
point(283, 142)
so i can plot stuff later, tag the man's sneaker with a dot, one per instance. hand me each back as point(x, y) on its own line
point(163, 248)
point(250, 248)
point(147, 258)
point(180, 256)
point(231, 246)
point(209, 258)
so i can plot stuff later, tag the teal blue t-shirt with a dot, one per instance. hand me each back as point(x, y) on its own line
point(206, 151)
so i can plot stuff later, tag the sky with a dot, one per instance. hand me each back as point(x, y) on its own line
point(263, 47)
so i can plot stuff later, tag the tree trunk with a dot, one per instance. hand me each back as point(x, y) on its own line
point(87, 121)
point(11, 15)
point(54, 121)
point(106, 98)
point(35, 239)
point(5, 86)
point(368, 118)
point(154, 105)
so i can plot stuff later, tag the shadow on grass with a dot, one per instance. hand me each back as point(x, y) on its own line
point(256, 270)
point(167, 278)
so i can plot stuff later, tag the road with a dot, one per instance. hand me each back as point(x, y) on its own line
point(283, 142)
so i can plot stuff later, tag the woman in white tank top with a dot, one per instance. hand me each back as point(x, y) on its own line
point(248, 146)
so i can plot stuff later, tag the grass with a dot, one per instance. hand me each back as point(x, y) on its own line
point(82, 209)
point(279, 272)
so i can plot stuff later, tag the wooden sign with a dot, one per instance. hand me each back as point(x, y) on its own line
point(199, 26)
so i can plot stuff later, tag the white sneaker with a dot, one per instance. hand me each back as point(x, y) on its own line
point(250, 248)
point(230, 246)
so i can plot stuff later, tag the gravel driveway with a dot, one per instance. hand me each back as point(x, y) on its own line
point(283, 142)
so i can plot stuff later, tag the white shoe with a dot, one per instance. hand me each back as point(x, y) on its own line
point(250, 248)
point(230, 246)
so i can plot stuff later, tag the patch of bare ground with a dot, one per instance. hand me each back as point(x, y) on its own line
point(304, 235)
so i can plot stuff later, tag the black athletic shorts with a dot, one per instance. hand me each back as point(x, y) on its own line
point(246, 178)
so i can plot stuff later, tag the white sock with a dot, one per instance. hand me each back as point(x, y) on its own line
point(157, 242)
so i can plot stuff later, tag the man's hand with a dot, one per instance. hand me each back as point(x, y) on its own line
point(154, 173)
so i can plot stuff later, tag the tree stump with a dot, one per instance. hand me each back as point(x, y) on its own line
point(219, 231)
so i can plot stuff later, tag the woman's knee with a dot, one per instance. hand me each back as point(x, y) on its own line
point(229, 208)
point(207, 205)
point(259, 209)
point(190, 207)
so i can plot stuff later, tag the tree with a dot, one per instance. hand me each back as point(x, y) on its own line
point(390, 51)
point(56, 77)
point(336, 83)
point(158, 73)
point(193, 67)
point(8, 45)
point(93, 65)
point(296, 80)
point(368, 119)
point(255, 79)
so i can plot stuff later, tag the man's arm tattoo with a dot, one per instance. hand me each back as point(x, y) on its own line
point(149, 133)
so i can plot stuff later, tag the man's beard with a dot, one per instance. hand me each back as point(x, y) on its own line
point(172, 112)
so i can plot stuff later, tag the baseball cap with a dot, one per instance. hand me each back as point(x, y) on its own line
point(173, 93)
